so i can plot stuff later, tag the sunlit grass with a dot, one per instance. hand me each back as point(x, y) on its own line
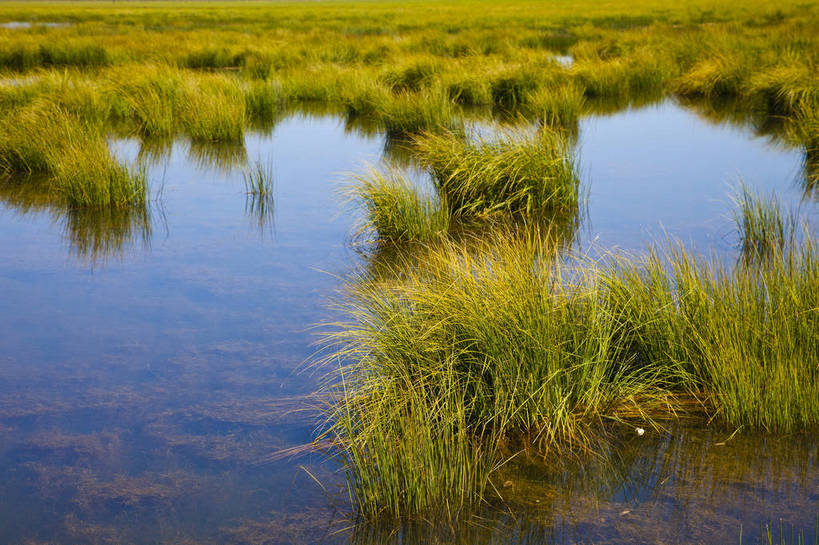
point(395, 210)
point(517, 171)
point(73, 153)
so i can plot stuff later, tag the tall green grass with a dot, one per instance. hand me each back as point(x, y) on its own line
point(558, 105)
point(517, 171)
point(452, 357)
point(764, 230)
point(74, 153)
point(462, 354)
point(396, 210)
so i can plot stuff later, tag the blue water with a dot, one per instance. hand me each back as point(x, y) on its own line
point(145, 386)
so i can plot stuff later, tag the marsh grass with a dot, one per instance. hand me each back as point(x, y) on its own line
point(449, 360)
point(512, 89)
point(396, 210)
point(558, 105)
point(459, 355)
point(258, 179)
point(517, 171)
point(770, 534)
point(260, 201)
point(409, 114)
point(82, 54)
point(73, 153)
point(764, 229)
point(214, 111)
point(263, 103)
point(87, 176)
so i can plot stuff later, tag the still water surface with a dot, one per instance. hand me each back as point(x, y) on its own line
point(150, 365)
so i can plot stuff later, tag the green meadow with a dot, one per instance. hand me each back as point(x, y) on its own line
point(481, 334)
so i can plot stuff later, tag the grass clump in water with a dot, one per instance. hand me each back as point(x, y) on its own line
point(518, 172)
point(464, 353)
point(45, 139)
point(559, 105)
point(396, 211)
point(455, 356)
point(763, 229)
point(258, 179)
point(259, 187)
point(409, 114)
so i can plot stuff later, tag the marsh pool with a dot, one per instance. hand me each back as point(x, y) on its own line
point(153, 367)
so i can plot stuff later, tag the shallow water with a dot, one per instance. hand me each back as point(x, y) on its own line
point(15, 25)
point(152, 363)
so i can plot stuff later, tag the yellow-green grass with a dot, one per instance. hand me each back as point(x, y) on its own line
point(521, 174)
point(470, 52)
point(764, 229)
point(524, 171)
point(395, 210)
point(45, 139)
point(450, 359)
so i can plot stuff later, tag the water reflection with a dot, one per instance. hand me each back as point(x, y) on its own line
point(94, 235)
point(704, 487)
point(738, 114)
point(260, 210)
point(218, 157)
point(153, 151)
point(810, 177)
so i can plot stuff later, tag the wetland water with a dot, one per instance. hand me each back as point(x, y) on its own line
point(149, 365)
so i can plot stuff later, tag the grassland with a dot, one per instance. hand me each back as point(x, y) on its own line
point(208, 71)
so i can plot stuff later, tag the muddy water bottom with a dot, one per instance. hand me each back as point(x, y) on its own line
point(152, 362)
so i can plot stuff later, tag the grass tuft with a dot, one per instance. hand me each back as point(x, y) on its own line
point(396, 211)
point(518, 172)
point(764, 231)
